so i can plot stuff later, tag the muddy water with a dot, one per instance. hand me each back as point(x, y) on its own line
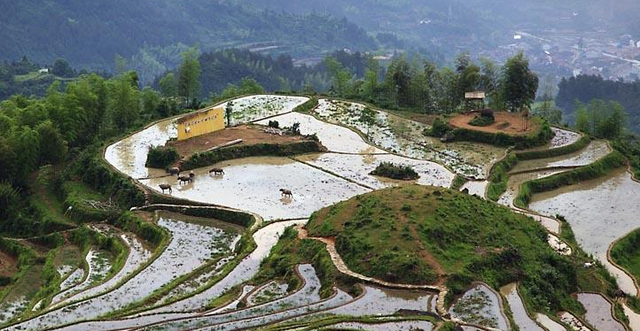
point(307, 295)
point(520, 316)
point(548, 323)
point(336, 138)
point(256, 107)
point(380, 301)
point(634, 318)
point(130, 154)
point(359, 167)
point(385, 326)
point(599, 312)
point(191, 245)
point(573, 322)
point(600, 211)
point(513, 187)
point(596, 150)
point(562, 138)
point(476, 187)
point(482, 306)
point(253, 184)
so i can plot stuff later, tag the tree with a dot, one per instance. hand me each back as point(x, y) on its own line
point(519, 84)
point(368, 118)
point(150, 100)
point(228, 112)
point(61, 68)
point(125, 104)
point(339, 75)
point(398, 81)
point(53, 147)
point(169, 86)
point(546, 108)
point(189, 75)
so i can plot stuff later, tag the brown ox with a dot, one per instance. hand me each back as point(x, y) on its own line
point(164, 187)
point(216, 171)
point(286, 193)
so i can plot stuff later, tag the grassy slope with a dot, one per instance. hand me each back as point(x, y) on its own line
point(391, 234)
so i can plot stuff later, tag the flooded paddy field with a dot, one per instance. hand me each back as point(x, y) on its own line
point(385, 326)
point(253, 184)
point(270, 291)
point(191, 245)
point(265, 239)
point(406, 137)
point(139, 254)
point(520, 316)
point(336, 138)
point(21, 294)
point(480, 305)
point(255, 107)
point(574, 323)
point(358, 168)
point(548, 323)
point(563, 137)
point(129, 155)
point(599, 312)
point(383, 301)
point(599, 211)
point(476, 187)
point(596, 150)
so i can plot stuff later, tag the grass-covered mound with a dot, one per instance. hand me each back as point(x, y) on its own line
point(421, 235)
point(395, 171)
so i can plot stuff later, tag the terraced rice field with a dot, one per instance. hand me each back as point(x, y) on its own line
point(316, 180)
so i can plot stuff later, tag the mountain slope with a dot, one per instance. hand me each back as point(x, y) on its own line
point(91, 33)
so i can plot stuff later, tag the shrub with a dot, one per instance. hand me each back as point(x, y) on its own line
point(391, 170)
point(482, 121)
point(439, 128)
point(274, 124)
point(162, 157)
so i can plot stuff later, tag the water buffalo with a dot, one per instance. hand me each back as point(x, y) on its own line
point(174, 171)
point(216, 171)
point(286, 193)
point(164, 187)
point(185, 179)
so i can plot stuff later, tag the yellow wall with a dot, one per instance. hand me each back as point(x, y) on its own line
point(201, 123)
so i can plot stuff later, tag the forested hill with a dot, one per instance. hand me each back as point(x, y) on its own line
point(585, 88)
point(90, 33)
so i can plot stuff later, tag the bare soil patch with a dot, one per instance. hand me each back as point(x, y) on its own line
point(8, 265)
point(250, 135)
point(505, 122)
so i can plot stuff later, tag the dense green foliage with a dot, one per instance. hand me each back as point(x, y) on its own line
point(594, 170)
point(77, 202)
point(204, 159)
point(161, 157)
point(395, 171)
point(152, 34)
point(391, 233)
point(584, 88)
point(421, 86)
point(601, 119)
point(499, 176)
point(458, 182)
point(626, 253)
point(629, 145)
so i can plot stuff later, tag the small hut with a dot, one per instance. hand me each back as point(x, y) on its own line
point(475, 99)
